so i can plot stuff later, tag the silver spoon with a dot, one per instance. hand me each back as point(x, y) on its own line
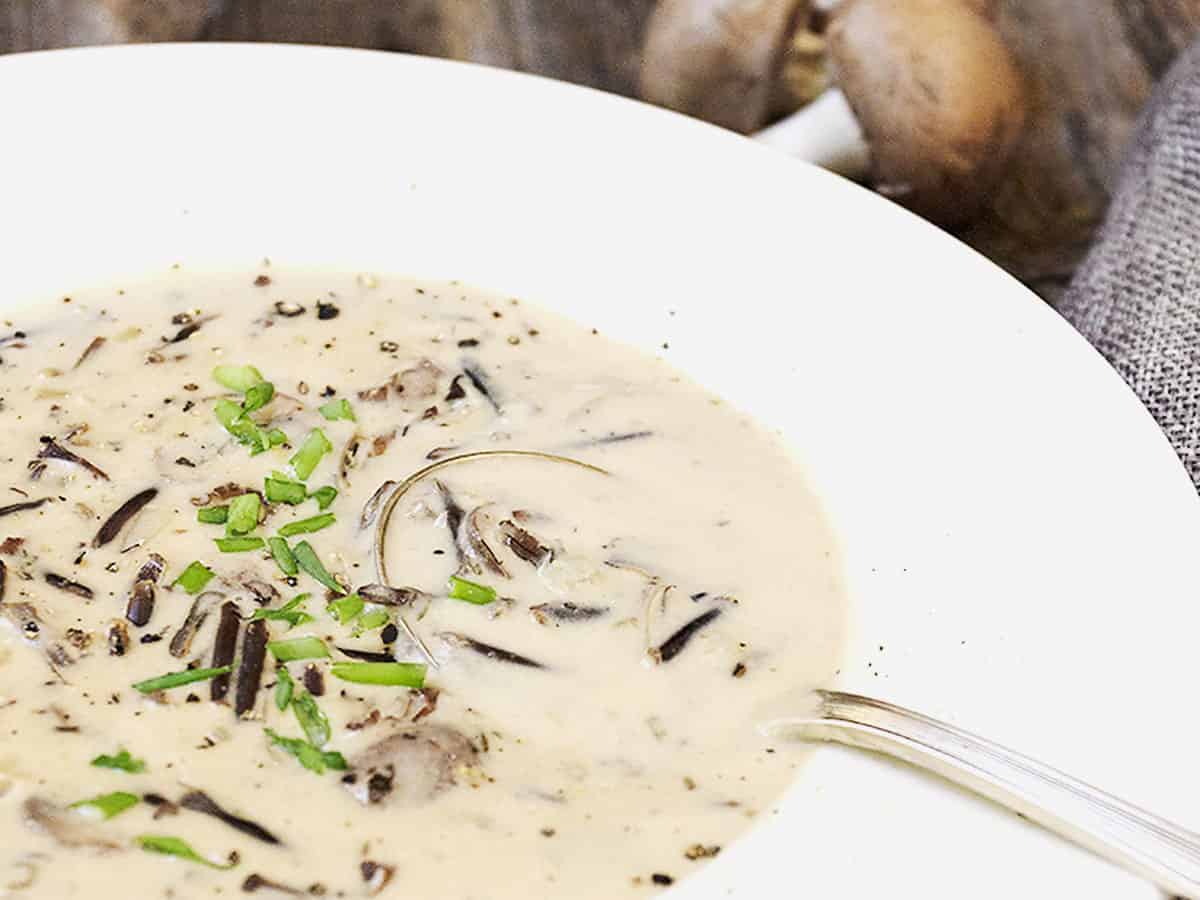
point(1135, 839)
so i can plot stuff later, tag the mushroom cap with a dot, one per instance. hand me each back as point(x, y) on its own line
point(718, 60)
point(938, 96)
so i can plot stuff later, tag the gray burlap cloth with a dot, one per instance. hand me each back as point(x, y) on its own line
point(1137, 296)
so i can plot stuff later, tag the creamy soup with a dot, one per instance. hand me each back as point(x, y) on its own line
point(333, 585)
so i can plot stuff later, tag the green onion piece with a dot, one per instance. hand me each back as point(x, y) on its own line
point(194, 577)
point(173, 846)
point(280, 490)
point(282, 554)
point(109, 805)
point(372, 619)
point(346, 608)
point(305, 459)
point(298, 648)
point(227, 412)
point(479, 594)
point(212, 515)
point(243, 514)
point(309, 756)
point(258, 396)
point(324, 496)
point(311, 719)
point(309, 525)
point(122, 761)
point(284, 688)
point(338, 409)
point(396, 674)
point(289, 612)
point(306, 559)
point(178, 679)
point(276, 436)
point(238, 378)
point(239, 544)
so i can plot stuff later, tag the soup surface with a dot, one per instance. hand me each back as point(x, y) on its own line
point(196, 472)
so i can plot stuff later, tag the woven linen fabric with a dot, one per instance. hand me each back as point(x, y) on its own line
point(1137, 295)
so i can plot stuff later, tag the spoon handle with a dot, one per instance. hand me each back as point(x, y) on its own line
point(1140, 841)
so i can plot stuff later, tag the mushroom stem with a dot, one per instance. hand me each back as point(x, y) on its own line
point(825, 133)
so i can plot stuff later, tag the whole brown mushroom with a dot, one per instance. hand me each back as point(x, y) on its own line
point(927, 101)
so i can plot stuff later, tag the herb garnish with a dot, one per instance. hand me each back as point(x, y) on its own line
point(284, 688)
point(173, 846)
point(392, 674)
point(309, 525)
point(243, 514)
point(305, 459)
point(239, 544)
point(298, 648)
point(123, 761)
point(280, 489)
point(282, 554)
point(479, 594)
point(324, 496)
point(109, 805)
point(344, 609)
point(309, 756)
point(213, 515)
point(238, 378)
point(290, 612)
point(178, 679)
point(306, 559)
point(338, 409)
point(194, 578)
point(311, 719)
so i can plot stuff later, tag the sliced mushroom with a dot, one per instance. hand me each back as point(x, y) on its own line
point(928, 101)
point(476, 552)
point(66, 828)
point(417, 383)
point(410, 766)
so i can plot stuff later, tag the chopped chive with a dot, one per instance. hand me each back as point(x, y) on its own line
point(298, 648)
point(231, 417)
point(346, 608)
point(227, 412)
point(311, 719)
point(324, 496)
point(338, 409)
point(305, 459)
point(289, 612)
point(239, 544)
point(309, 525)
point(284, 688)
point(276, 436)
point(122, 760)
point(372, 619)
point(212, 515)
point(173, 846)
point(306, 559)
point(109, 805)
point(309, 756)
point(479, 594)
point(243, 514)
point(178, 679)
point(282, 554)
point(257, 396)
point(194, 578)
point(238, 378)
point(279, 490)
point(396, 674)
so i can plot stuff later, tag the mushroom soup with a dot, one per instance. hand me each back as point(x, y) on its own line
point(325, 585)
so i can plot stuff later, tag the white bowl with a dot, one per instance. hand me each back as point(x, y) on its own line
point(1020, 542)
